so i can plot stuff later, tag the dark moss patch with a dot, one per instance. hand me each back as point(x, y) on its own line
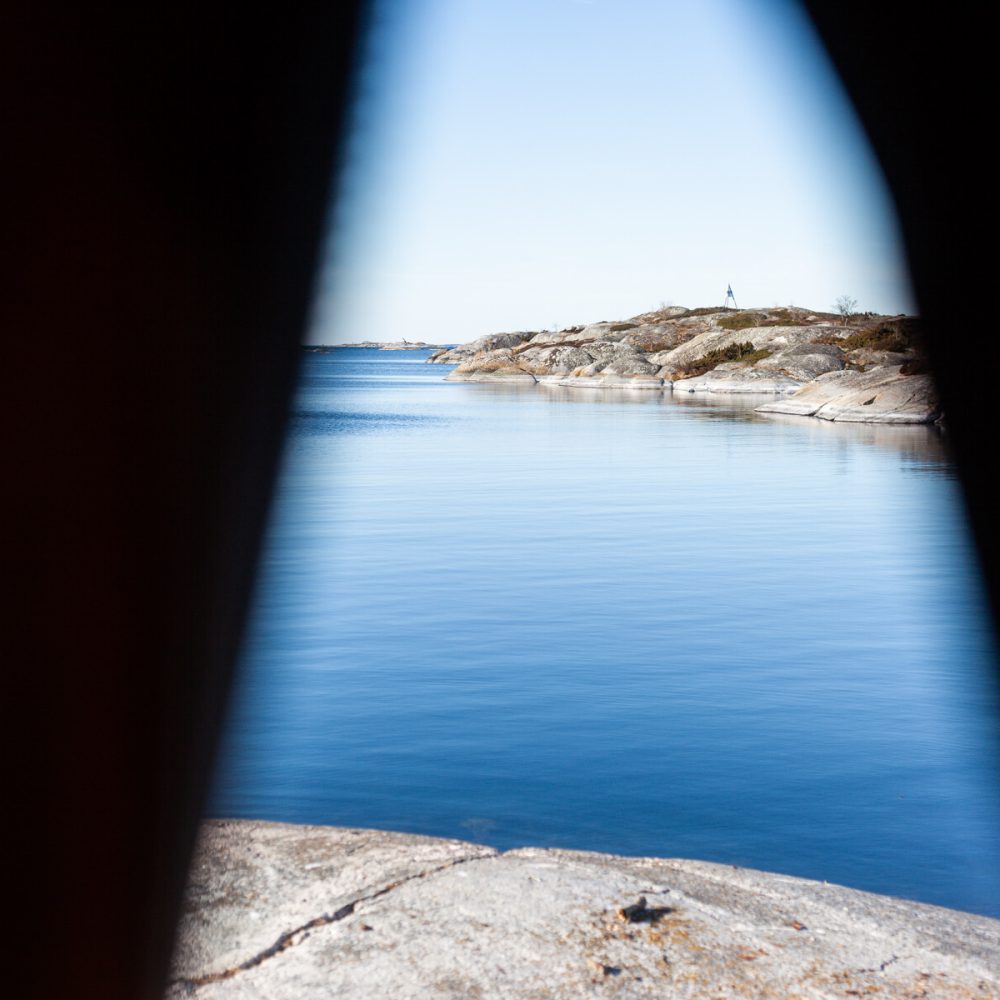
point(654, 341)
point(783, 317)
point(744, 351)
point(742, 320)
point(755, 356)
point(898, 335)
point(702, 311)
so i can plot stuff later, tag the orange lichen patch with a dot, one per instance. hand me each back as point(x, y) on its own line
point(680, 936)
point(919, 986)
point(654, 936)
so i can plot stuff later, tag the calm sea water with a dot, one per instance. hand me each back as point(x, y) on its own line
point(620, 622)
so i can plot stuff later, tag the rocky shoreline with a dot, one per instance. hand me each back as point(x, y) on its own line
point(283, 911)
point(867, 369)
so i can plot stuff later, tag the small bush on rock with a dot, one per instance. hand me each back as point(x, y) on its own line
point(744, 351)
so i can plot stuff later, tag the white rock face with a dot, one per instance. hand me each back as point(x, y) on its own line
point(610, 381)
point(882, 395)
point(734, 377)
point(299, 912)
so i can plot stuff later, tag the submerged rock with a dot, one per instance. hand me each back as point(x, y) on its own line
point(302, 912)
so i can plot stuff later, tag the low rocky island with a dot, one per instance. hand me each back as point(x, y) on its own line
point(282, 911)
point(866, 368)
point(376, 345)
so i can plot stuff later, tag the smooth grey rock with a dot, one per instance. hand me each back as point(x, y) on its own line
point(617, 359)
point(606, 380)
point(497, 375)
point(804, 361)
point(657, 337)
point(881, 395)
point(664, 312)
point(557, 359)
point(583, 335)
point(281, 911)
point(733, 377)
point(252, 882)
point(864, 358)
point(495, 366)
point(491, 342)
point(773, 338)
point(549, 338)
point(628, 365)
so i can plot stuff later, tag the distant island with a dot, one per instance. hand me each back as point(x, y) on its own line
point(863, 368)
point(376, 345)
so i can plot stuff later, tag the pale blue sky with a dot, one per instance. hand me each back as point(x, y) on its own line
point(516, 164)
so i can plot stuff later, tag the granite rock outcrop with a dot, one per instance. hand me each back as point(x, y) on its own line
point(817, 363)
point(881, 395)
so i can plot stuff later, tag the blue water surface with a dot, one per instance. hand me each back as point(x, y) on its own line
point(620, 621)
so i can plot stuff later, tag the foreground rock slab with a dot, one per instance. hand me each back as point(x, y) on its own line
point(277, 911)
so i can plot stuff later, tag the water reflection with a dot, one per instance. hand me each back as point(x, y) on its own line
point(761, 639)
point(918, 443)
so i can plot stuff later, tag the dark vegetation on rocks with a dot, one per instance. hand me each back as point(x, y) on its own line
point(734, 352)
point(899, 335)
point(701, 311)
point(742, 320)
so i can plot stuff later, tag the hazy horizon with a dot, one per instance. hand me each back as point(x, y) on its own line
point(547, 164)
point(611, 319)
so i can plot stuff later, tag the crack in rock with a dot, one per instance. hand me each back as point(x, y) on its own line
point(288, 938)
